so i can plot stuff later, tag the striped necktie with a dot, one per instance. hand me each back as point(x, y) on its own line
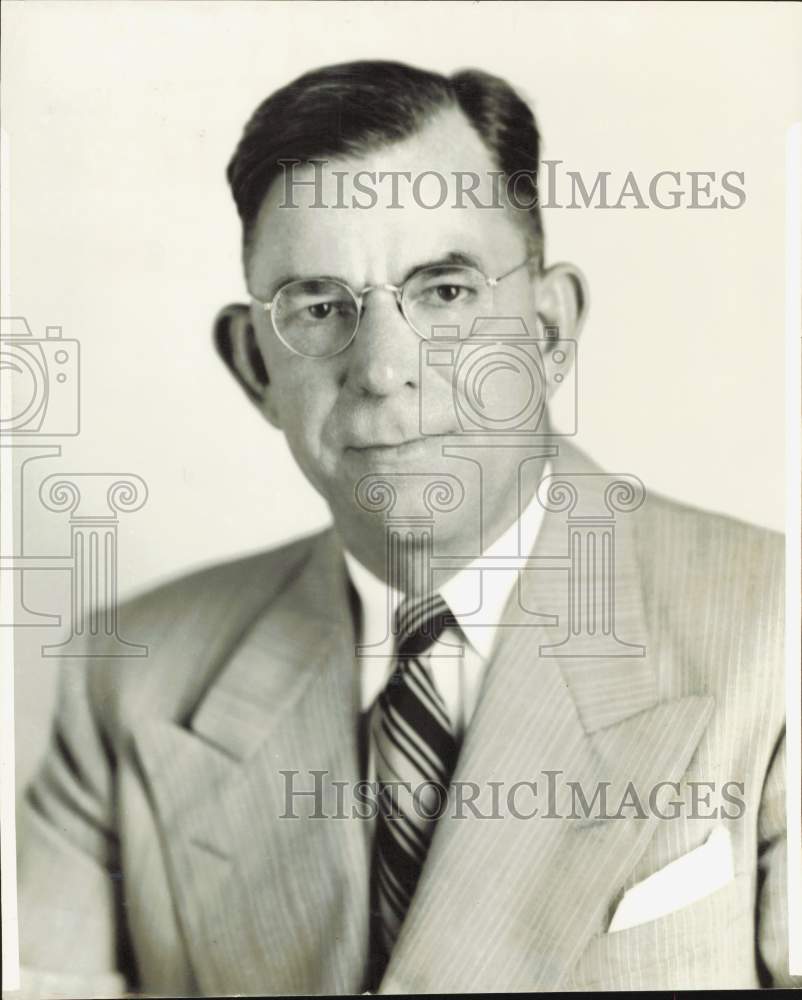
point(415, 753)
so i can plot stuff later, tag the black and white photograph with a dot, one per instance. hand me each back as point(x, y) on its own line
point(399, 537)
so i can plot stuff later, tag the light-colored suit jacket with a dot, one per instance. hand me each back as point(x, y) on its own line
point(153, 849)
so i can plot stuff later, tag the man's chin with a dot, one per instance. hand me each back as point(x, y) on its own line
point(408, 483)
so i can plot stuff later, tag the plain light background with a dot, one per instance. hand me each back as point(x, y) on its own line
point(121, 118)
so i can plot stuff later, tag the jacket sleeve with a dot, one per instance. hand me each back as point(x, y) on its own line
point(772, 900)
point(69, 888)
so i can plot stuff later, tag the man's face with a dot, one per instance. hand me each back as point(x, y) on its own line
point(359, 412)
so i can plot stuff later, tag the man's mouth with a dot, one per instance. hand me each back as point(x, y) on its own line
point(384, 445)
point(392, 448)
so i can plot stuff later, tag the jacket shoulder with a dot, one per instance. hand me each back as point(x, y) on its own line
point(714, 587)
point(703, 543)
point(189, 627)
point(265, 571)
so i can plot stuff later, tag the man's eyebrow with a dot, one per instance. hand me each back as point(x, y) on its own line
point(456, 258)
point(286, 279)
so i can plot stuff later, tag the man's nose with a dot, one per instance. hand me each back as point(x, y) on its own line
point(385, 354)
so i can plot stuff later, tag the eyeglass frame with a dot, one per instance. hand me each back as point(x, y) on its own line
point(397, 290)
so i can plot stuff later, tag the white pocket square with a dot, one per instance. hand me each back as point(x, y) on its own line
point(692, 877)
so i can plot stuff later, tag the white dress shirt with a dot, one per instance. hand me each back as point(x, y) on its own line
point(458, 678)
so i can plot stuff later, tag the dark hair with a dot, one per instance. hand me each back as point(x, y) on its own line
point(350, 108)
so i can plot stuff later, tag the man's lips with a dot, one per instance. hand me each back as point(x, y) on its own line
point(380, 447)
point(383, 445)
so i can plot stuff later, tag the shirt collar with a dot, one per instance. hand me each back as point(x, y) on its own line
point(378, 599)
point(472, 595)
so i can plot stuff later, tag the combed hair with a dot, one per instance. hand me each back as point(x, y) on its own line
point(351, 108)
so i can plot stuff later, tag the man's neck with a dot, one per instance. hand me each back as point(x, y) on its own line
point(404, 564)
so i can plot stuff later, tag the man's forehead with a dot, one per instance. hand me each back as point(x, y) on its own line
point(446, 146)
point(380, 245)
point(436, 192)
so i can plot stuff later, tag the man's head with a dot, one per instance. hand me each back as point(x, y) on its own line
point(364, 409)
point(343, 111)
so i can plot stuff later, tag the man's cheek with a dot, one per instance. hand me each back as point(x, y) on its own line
point(290, 397)
point(305, 428)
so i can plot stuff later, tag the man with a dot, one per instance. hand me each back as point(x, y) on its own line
point(565, 696)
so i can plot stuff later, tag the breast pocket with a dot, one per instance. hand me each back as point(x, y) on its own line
point(708, 944)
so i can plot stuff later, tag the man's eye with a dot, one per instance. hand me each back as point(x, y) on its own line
point(328, 308)
point(438, 295)
point(320, 310)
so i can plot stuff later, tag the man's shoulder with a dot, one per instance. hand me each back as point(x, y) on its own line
point(713, 591)
point(189, 627)
point(674, 537)
point(254, 577)
point(715, 583)
point(702, 543)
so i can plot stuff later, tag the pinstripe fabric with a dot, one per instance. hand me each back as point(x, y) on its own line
point(152, 842)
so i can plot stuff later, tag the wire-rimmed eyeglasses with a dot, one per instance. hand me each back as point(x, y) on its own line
point(319, 317)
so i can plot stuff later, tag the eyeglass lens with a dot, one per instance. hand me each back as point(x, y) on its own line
point(319, 317)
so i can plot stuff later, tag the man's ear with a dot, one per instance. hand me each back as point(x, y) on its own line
point(562, 302)
point(562, 299)
point(235, 340)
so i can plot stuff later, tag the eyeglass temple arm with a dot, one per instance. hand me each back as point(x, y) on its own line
point(492, 282)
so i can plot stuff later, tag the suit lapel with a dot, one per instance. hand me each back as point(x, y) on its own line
point(509, 903)
point(271, 900)
point(280, 905)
